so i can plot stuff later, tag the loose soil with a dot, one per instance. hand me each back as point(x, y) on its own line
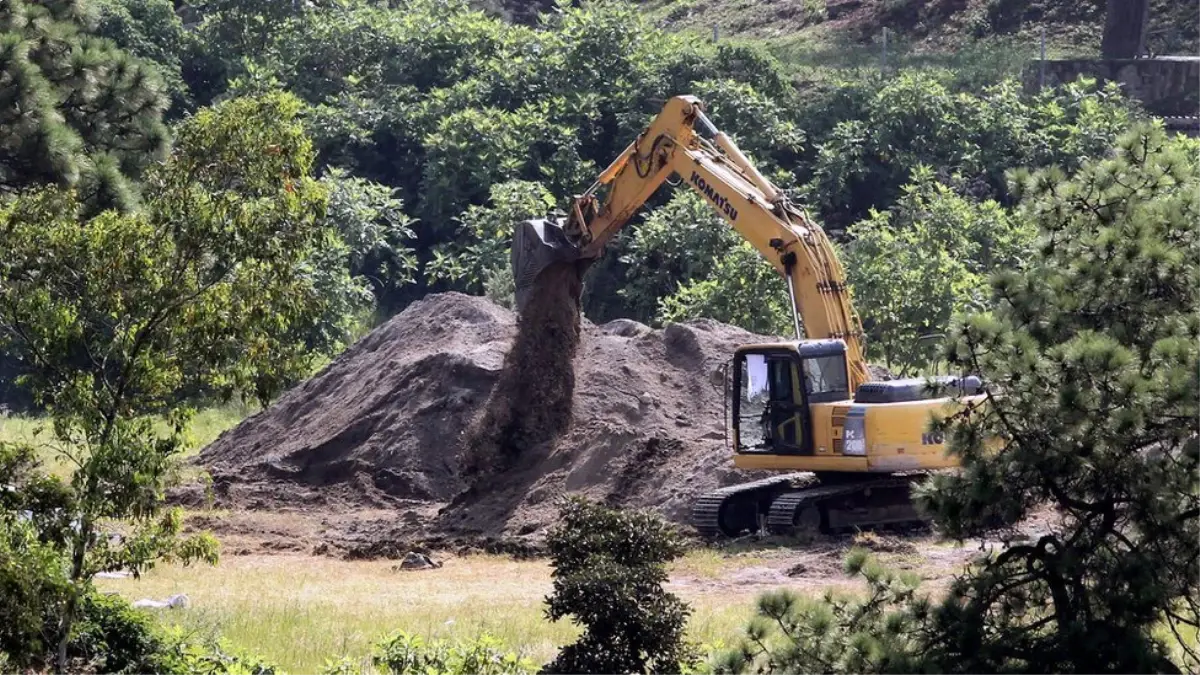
point(415, 420)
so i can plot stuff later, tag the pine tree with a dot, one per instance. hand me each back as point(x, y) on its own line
point(74, 110)
point(1092, 358)
point(1091, 423)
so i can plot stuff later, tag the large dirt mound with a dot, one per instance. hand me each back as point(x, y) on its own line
point(385, 422)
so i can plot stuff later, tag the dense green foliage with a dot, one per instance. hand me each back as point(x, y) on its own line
point(609, 568)
point(74, 110)
point(942, 229)
point(209, 286)
point(972, 139)
point(926, 259)
point(686, 262)
point(472, 122)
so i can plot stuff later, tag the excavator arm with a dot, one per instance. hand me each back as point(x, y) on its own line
point(683, 142)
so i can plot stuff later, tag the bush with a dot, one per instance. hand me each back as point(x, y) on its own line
point(609, 567)
point(873, 633)
point(402, 653)
point(115, 637)
point(34, 586)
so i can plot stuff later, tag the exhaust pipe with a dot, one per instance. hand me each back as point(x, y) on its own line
point(537, 244)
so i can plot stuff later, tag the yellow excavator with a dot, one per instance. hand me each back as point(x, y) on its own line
point(848, 450)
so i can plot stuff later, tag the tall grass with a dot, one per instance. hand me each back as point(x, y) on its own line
point(298, 611)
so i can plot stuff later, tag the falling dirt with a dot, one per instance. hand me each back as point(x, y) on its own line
point(531, 403)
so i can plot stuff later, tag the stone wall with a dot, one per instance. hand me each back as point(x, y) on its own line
point(1168, 86)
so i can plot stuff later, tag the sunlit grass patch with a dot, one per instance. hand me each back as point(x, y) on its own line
point(298, 611)
point(206, 426)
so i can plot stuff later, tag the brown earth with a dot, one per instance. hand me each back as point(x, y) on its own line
point(382, 427)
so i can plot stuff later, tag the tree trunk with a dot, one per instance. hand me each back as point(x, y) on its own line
point(1125, 29)
point(79, 556)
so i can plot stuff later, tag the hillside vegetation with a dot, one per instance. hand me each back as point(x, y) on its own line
point(927, 26)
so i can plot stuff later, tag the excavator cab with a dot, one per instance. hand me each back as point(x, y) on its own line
point(771, 390)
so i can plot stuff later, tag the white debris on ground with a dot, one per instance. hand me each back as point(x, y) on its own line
point(177, 601)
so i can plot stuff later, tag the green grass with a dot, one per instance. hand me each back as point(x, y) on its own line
point(298, 611)
point(206, 426)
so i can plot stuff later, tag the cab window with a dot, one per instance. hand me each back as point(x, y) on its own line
point(825, 378)
point(769, 416)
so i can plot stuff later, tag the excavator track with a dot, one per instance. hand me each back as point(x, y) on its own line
point(826, 508)
point(733, 510)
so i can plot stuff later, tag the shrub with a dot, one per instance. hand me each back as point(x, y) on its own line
point(405, 654)
point(609, 567)
point(33, 584)
point(872, 633)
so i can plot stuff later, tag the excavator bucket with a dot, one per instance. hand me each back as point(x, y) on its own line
point(536, 245)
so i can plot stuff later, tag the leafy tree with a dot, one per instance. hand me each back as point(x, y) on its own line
point(473, 149)
point(232, 35)
point(686, 262)
point(488, 232)
point(928, 258)
point(678, 243)
point(973, 139)
point(442, 102)
point(608, 575)
point(74, 110)
point(208, 286)
point(1095, 348)
point(375, 234)
point(764, 128)
point(742, 289)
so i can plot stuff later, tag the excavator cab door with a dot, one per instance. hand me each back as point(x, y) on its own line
point(769, 409)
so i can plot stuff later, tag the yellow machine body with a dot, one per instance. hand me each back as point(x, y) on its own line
point(892, 436)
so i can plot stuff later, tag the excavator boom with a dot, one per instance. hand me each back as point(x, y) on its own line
point(682, 141)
